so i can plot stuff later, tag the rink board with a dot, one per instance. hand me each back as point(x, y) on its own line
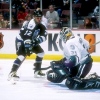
point(52, 47)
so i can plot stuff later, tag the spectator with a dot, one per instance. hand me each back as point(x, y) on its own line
point(3, 23)
point(33, 4)
point(96, 11)
point(58, 5)
point(66, 5)
point(14, 23)
point(88, 24)
point(16, 4)
point(27, 19)
point(21, 16)
point(52, 17)
point(95, 21)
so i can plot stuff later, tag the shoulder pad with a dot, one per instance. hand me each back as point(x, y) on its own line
point(31, 25)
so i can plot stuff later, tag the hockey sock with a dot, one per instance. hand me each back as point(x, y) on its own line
point(16, 65)
point(38, 63)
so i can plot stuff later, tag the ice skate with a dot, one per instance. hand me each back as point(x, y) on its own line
point(37, 70)
point(13, 76)
point(38, 74)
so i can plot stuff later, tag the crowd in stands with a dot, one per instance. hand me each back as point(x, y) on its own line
point(56, 12)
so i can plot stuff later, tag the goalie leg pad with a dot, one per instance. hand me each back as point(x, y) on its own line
point(82, 84)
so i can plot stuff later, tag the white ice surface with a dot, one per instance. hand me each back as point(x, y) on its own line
point(30, 88)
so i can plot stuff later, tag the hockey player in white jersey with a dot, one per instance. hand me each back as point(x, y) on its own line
point(76, 64)
point(27, 42)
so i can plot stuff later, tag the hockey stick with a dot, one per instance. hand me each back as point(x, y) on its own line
point(95, 44)
point(45, 68)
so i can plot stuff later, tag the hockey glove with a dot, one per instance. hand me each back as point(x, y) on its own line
point(37, 41)
point(28, 47)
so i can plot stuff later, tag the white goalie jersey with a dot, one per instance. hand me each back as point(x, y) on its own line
point(76, 46)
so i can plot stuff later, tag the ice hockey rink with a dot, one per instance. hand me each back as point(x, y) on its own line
point(30, 88)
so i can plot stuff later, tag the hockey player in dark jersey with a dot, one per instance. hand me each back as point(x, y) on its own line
point(27, 42)
point(75, 65)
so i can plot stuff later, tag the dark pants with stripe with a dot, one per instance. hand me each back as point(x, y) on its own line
point(83, 69)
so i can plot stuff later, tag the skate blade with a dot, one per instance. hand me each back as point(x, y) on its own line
point(36, 75)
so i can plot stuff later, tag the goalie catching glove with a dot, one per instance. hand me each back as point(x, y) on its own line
point(28, 47)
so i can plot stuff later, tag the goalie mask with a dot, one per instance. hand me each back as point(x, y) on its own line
point(65, 34)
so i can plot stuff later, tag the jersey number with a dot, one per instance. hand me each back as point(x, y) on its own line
point(28, 33)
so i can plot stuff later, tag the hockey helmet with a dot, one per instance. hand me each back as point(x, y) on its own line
point(65, 34)
point(38, 13)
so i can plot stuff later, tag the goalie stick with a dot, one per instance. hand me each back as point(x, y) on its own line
point(45, 68)
point(95, 44)
point(90, 47)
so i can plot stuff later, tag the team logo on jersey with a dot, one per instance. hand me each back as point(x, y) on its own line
point(1, 40)
point(30, 25)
